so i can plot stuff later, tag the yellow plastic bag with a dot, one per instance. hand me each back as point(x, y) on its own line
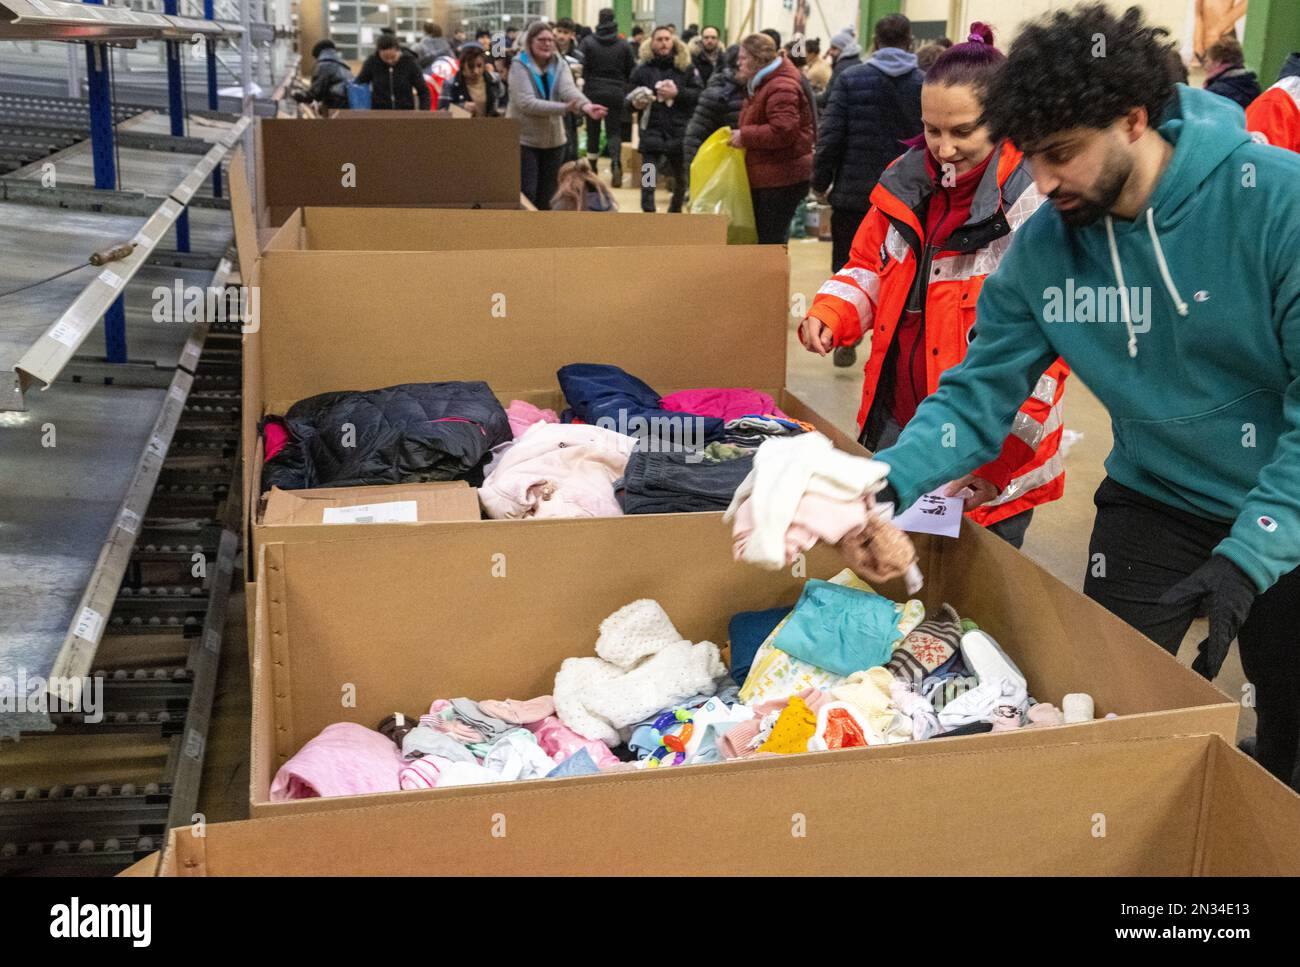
point(719, 184)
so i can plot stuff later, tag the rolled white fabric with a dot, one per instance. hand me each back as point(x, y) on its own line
point(1078, 707)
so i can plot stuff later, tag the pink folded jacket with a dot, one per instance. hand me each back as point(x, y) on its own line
point(725, 404)
point(522, 415)
point(817, 518)
point(558, 470)
point(274, 437)
point(346, 759)
point(559, 742)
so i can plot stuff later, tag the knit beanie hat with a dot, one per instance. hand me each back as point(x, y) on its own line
point(635, 631)
point(843, 39)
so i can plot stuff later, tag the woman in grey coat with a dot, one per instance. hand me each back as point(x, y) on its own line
point(542, 91)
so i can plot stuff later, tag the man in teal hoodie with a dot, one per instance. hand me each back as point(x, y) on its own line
point(1166, 272)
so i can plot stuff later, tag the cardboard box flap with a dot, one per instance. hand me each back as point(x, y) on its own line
point(241, 210)
point(421, 230)
point(797, 815)
point(459, 315)
point(353, 161)
point(1252, 822)
point(398, 503)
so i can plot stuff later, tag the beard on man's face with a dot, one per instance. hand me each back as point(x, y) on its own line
point(1092, 206)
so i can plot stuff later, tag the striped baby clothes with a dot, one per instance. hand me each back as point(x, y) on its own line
point(927, 649)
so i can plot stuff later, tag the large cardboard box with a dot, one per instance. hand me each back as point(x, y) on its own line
point(1181, 806)
point(490, 610)
point(408, 159)
point(446, 229)
point(517, 316)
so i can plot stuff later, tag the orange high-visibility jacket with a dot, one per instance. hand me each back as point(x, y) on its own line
point(1275, 114)
point(869, 295)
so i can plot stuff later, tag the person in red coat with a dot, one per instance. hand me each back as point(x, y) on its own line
point(776, 131)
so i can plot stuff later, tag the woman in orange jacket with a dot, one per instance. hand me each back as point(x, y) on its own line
point(942, 215)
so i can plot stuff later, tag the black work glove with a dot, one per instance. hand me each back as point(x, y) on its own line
point(1227, 594)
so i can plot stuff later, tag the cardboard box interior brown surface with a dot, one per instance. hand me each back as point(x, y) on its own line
point(301, 163)
point(490, 610)
point(319, 333)
point(1177, 806)
point(444, 229)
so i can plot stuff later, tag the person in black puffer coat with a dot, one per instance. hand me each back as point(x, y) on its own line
point(718, 107)
point(665, 89)
point(396, 83)
point(608, 62)
point(873, 108)
point(410, 433)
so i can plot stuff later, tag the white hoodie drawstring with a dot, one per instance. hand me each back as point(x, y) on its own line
point(1123, 289)
point(1164, 266)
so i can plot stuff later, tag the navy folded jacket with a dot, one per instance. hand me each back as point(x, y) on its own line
point(605, 395)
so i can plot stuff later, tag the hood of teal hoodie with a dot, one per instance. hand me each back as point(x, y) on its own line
point(1185, 323)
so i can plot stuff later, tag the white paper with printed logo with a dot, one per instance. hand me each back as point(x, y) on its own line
point(932, 514)
point(391, 512)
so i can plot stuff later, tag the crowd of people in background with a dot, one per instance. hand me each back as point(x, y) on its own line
point(816, 125)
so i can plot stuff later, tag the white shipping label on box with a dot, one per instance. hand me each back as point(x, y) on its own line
point(932, 514)
point(65, 333)
point(129, 521)
point(88, 625)
point(111, 279)
point(392, 512)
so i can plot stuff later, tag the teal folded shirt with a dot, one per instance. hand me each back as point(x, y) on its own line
point(842, 630)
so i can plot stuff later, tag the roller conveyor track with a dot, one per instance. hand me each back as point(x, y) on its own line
point(65, 807)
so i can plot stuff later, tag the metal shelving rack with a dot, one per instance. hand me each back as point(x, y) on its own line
point(99, 535)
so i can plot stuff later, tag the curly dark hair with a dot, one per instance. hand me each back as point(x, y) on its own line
point(1084, 67)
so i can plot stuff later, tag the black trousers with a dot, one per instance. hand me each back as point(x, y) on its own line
point(774, 210)
point(844, 225)
point(572, 125)
point(664, 163)
point(539, 169)
point(613, 123)
point(1147, 547)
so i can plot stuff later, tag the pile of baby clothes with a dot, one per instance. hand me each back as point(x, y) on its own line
point(843, 668)
point(848, 667)
point(457, 742)
point(557, 470)
point(694, 447)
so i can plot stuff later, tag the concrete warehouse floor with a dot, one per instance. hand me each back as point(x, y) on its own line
point(1057, 539)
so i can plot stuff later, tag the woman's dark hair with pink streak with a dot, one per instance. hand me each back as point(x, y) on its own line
point(971, 64)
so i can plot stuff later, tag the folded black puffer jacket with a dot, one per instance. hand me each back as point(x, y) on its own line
point(401, 434)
